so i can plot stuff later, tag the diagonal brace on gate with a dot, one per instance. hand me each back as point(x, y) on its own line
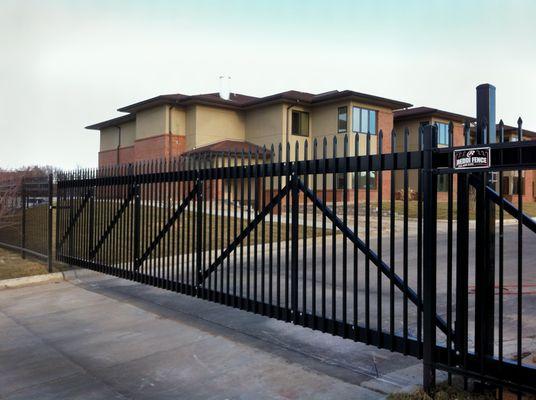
point(176, 214)
point(115, 220)
point(75, 217)
point(384, 268)
point(257, 220)
point(508, 206)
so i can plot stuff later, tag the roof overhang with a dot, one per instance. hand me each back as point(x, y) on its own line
point(426, 112)
point(112, 122)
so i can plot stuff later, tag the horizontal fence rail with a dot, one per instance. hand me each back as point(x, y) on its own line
point(372, 247)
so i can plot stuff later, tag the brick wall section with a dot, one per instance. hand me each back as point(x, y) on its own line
point(529, 186)
point(126, 155)
point(155, 147)
point(385, 123)
point(110, 157)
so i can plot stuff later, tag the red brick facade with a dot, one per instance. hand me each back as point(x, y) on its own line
point(155, 147)
point(385, 123)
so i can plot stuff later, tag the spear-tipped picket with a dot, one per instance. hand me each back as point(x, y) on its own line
point(466, 132)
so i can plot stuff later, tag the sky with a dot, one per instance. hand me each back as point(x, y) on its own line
point(67, 64)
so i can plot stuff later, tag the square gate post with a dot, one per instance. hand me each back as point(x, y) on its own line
point(485, 231)
point(429, 257)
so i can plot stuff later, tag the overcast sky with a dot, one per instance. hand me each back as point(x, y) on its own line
point(67, 64)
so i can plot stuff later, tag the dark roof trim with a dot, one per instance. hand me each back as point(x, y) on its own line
point(235, 102)
point(112, 122)
point(422, 112)
point(239, 101)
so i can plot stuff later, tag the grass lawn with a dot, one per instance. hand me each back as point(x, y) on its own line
point(13, 266)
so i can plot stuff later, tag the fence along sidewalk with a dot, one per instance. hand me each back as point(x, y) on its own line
point(26, 216)
point(280, 233)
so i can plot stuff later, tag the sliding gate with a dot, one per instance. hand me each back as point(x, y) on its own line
point(336, 242)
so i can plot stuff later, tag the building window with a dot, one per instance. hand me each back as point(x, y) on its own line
point(300, 123)
point(362, 180)
point(443, 134)
point(343, 120)
point(363, 120)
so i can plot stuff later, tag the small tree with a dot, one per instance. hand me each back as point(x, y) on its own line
point(9, 203)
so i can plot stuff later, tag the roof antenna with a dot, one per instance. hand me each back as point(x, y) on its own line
point(225, 94)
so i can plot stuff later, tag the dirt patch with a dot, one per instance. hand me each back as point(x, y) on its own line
point(13, 266)
point(455, 391)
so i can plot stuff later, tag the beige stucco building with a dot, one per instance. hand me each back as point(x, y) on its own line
point(170, 125)
point(167, 126)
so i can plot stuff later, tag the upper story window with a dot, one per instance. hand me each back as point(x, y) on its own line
point(363, 120)
point(443, 133)
point(342, 124)
point(300, 123)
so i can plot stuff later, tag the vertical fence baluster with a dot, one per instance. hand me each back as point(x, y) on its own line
point(367, 241)
point(304, 235)
point(379, 186)
point(295, 233)
point(279, 207)
point(314, 227)
point(392, 259)
point(501, 247)
point(357, 175)
point(287, 234)
point(406, 241)
point(449, 256)
point(429, 247)
point(334, 239)
point(271, 224)
point(520, 189)
point(324, 232)
point(462, 261)
point(344, 239)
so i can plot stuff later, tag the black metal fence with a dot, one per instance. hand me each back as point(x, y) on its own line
point(323, 237)
point(26, 216)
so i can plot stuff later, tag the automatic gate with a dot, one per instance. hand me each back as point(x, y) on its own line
point(331, 242)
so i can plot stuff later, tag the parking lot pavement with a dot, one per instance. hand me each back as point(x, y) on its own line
point(98, 337)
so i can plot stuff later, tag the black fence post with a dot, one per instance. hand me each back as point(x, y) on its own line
point(429, 257)
point(91, 226)
point(49, 222)
point(199, 232)
point(137, 226)
point(294, 239)
point(23, 219)
point(485, 231)
point(462, 259)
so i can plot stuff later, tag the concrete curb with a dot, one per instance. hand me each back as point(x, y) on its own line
point(77, 274)
point(31, 280)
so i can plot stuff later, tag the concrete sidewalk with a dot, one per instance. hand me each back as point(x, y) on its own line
point(99, 337)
